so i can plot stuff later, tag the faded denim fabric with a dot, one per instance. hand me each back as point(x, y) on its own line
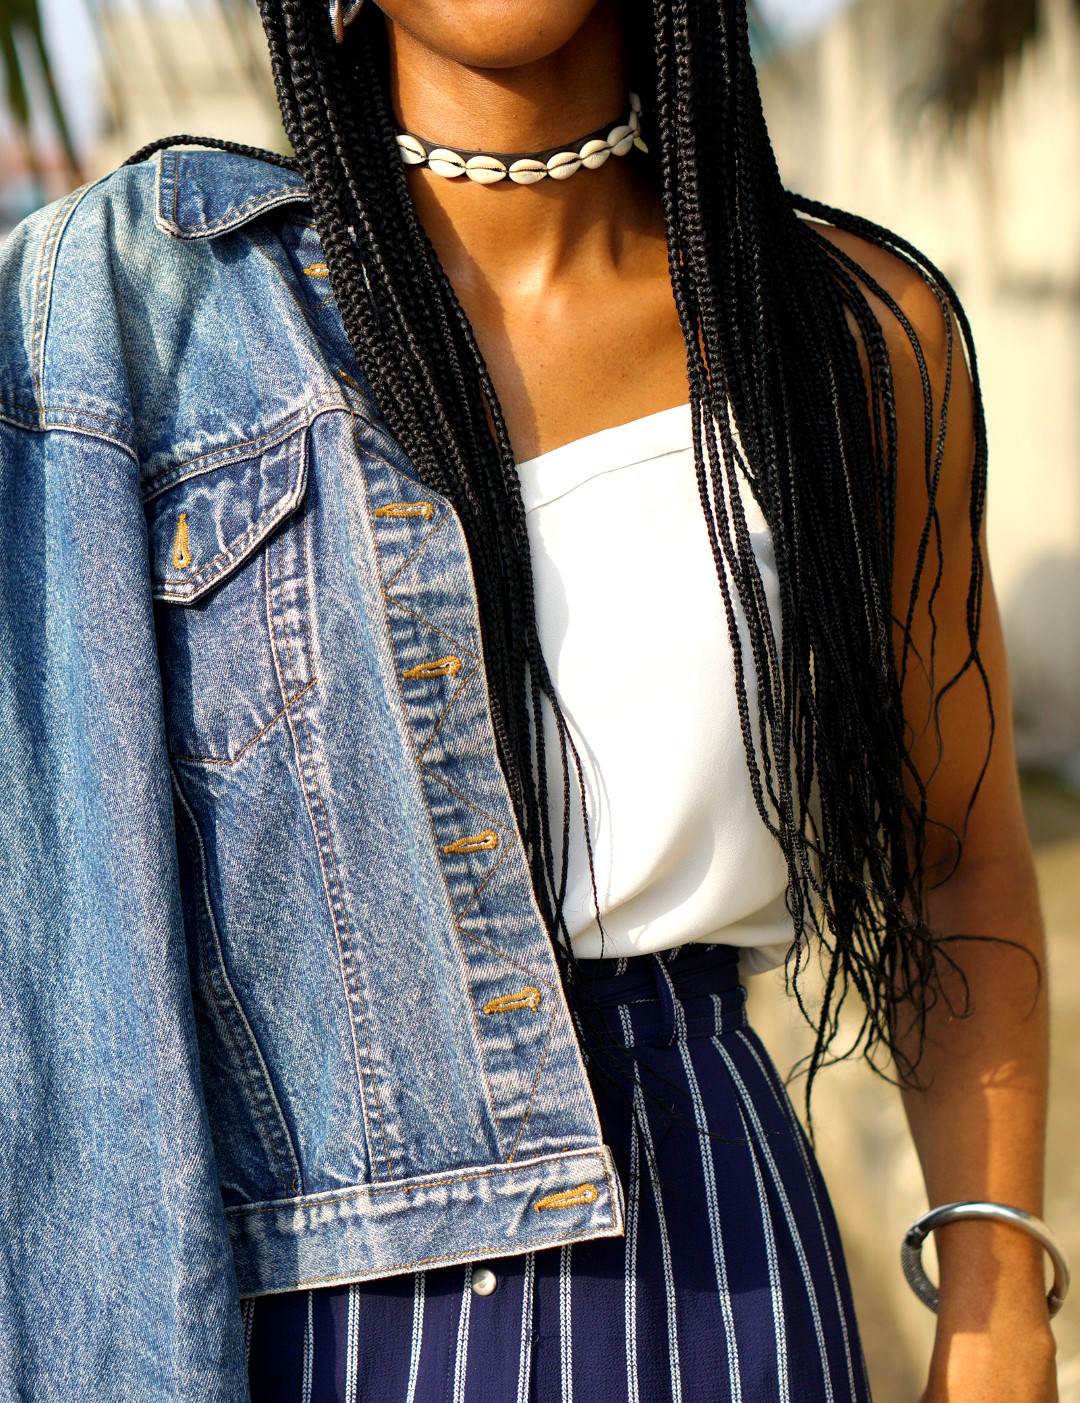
point(277, 1004)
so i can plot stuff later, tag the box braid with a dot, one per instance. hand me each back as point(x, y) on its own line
point(779, 395)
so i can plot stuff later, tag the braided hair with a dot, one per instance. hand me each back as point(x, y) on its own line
point(778, 385)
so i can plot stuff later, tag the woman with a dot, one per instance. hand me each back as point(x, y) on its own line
point(482, 666)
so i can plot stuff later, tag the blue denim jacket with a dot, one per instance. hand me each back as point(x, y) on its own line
point(277, 1005)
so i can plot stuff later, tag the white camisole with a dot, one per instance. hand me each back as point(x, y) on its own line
point(633, 629)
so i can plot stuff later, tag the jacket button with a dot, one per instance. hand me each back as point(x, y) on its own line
point(484, 1281)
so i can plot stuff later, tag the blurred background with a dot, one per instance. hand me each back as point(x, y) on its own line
point(956, 122)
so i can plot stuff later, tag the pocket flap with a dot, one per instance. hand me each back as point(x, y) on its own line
point(202, 527)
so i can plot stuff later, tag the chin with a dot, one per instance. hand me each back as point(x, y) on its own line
point(492, 33)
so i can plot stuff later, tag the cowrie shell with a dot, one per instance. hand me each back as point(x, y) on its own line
point(563, 164)
point(485, 170)
point(594, 153)
point(620, 139)
point(527, 171)
point(412, 153)
point(444, 162)
point(635, 103)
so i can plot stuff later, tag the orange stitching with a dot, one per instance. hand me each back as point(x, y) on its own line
point(474, 843)
point(462, 798)
point(422, 619)
point(424, 509)
point(216, 760)
point(237, 213)
point(389, 580)
point(324, 846)
point(317, 270)
point(44, 274)
point(68, 409)
point(449, 666)
point(350, 381)
point(181, 555)
point(471, 1255)
point(357, 996)
point(536, 1088)
point(314, 408)
point(502, 955)
point(480, 887)
point(247, 1210)
point(305, 629)
point(219, 971)
point(431, 821)
point(506, 1003)
point(451, 703)
point(569, 1198)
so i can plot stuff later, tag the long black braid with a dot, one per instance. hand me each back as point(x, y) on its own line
point(779, 395)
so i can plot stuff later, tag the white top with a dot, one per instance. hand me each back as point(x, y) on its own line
point(633, 629)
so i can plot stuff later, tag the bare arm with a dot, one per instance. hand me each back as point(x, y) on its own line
point(979, 1122)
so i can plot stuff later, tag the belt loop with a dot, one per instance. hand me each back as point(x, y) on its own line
point(674, 1020)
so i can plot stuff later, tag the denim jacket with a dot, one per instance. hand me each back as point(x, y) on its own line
point(278, 1007)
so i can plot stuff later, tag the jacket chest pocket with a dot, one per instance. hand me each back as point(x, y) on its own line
point(229, 572)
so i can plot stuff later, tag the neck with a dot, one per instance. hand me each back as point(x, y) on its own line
point(527, 234)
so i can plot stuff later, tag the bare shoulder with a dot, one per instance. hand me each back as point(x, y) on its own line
point(936, 434)
point(916, 298)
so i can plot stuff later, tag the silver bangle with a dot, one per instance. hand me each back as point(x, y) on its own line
point(921, 1228)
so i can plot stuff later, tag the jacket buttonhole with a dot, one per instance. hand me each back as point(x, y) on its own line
point(569, 1198)
point(474, 843)
point(507, 1003)
point(181, 554)
point(438, 667)
point(424, 509)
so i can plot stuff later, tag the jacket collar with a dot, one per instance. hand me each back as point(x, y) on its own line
point(201, 194)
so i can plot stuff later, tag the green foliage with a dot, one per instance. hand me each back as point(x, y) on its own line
point(21, 34)
point(979, 42)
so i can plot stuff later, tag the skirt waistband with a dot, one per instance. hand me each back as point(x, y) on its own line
point(691, 970)
point(690, 991)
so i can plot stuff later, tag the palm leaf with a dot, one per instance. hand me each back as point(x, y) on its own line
point(21, 29)
point(980, 42)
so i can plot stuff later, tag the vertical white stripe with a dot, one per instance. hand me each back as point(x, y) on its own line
point(419, 1282)
point(566, 1324)
point(708, 1174)
point(461, 1361)
point(247, 1317)
point(779, 1322)
point(781, 1193)
point(309, 1346)
point(526, 1355)
point(352, 1336)
point(718, 1013)
point(633, 1214)
point(665, 1244)
point(796, 1130)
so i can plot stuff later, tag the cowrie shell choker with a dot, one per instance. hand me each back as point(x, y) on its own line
point(561, 162)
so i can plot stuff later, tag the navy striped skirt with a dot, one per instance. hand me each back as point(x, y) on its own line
point(728, 1287)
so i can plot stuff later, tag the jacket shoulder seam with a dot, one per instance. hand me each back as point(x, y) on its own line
point(43, 281)
point(37, 421)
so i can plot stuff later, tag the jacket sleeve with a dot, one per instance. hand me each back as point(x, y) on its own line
point(117, 1280)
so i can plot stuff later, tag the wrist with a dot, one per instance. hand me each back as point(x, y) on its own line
point(999, 1365)
point(992, 1264)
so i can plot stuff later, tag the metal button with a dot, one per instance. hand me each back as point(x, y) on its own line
point(484, 1281)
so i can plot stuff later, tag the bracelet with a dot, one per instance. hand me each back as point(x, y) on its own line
point(920, 1230)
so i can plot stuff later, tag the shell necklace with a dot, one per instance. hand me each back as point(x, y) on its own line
point(487, 168)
